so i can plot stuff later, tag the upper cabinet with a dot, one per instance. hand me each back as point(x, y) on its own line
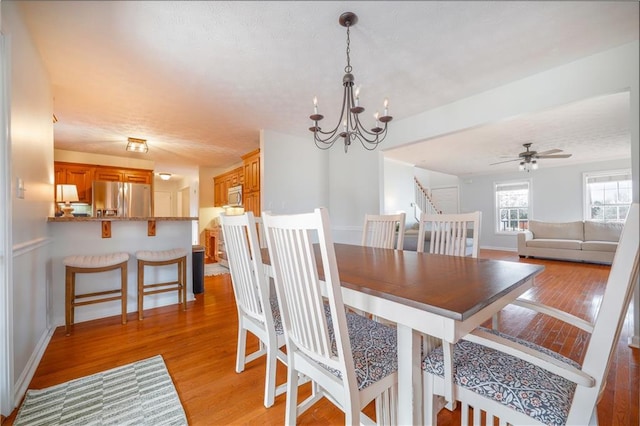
point(248, 176)
point(251, 163)
point(251, 189)
point(108, 174)
point(83, 175)
point(223, 182)
point(123, 175)
point(80, 175)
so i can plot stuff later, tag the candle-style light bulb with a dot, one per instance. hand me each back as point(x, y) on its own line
point(315, 104)
point(386, 105)
point(376, 115)
point(358, 96)
point(344, 125)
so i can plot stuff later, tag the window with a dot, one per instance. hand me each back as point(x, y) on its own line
point(512, 206)
point(607, 195)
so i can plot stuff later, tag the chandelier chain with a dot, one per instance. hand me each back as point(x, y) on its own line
point(348, 68)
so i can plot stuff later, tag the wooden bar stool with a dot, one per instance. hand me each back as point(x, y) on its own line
point(89, 265)
point(160, 258)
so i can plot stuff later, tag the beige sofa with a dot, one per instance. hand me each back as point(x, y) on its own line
point(586, 241)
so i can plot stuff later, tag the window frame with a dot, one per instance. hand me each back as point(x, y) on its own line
point(586, 205)
point(496, 208)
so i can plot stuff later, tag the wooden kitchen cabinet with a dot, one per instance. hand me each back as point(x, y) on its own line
point(223, 182)
point(251, 171)
point(112, 175)
point(137, 176)
point(123, 175)
point(251, 188)
point(80, 175)
point(83, 175)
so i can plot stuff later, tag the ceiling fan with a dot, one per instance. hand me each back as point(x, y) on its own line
point(528, 159)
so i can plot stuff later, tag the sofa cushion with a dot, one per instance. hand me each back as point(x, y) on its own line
point(555, 244)
point(553, 230)
point(607, 246)
point(599, 231)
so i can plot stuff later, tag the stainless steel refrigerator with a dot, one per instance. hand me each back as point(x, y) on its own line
point(122, 199)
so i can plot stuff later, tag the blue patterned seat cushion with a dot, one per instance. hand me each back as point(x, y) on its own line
point(275, 311)
point(373, 346)
point(508, 380)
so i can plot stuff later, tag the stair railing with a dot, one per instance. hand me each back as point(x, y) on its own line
point(423, 200)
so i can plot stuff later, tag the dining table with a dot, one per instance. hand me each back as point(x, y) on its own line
point(444, 297)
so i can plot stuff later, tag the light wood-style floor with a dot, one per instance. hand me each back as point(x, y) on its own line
point(199, 348)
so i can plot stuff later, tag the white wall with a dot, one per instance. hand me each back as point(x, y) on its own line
point(398, 189)
point(295, 174)
point(31, 149)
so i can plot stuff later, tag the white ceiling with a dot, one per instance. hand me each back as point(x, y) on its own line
point(199, 80)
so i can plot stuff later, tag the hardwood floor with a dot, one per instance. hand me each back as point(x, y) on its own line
point(199, 347)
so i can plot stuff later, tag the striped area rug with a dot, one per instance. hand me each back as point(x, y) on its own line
point(140, 393)
point(215, 269)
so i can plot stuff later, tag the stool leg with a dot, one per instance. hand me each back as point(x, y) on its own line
point(140, 289)
point(124, 294)
point(183, 288)
point(68, 300)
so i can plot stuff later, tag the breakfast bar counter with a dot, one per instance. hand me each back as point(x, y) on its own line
point(104, 235)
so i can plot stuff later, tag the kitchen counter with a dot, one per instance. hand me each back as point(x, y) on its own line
point(115, 218)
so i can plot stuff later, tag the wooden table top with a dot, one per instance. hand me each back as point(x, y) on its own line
point(451, 286)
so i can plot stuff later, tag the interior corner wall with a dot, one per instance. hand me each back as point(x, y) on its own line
point(398, 189)
point(294, 174)
point(31, 140)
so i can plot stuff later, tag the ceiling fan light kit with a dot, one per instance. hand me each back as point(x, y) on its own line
point(349, 127)
point(528, 159)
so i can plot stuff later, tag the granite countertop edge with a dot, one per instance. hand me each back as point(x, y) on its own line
point(118, 219)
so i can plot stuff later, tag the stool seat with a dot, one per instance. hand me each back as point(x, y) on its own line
point(97, 261)
point(92, 264)
point(161, 255)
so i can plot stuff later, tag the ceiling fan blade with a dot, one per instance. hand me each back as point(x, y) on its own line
point(554, 156)
point(551, 151)
point(507, 161)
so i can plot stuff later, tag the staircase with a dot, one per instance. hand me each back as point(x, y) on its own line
point(423, 200)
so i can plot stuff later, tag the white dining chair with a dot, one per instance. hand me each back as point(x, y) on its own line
point(449, 233)
point(380, 230)
point(262, 240)
point(519, 382)
point(258, 311)
point(350, 359)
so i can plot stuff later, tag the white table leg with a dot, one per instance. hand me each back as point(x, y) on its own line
point(449, 394)
point(409, 377)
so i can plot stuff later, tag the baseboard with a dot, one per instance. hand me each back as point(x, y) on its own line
point(498, 248)
point(22, 384)
point(634, 342)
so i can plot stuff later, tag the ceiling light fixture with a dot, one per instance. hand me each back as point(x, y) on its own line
point(527, 165)
point(137, 145)
point(165, 176)
point(349, 126)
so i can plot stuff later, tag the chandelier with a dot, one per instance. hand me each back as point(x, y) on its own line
point(349, 127)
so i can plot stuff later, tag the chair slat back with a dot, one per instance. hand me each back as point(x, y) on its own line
point(245, 264)
point(611, 316)
point(449, 233)
point(380, 230)
point(290, 240)
point(262, 239)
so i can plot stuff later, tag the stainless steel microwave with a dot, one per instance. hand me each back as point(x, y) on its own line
point(234, 196)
